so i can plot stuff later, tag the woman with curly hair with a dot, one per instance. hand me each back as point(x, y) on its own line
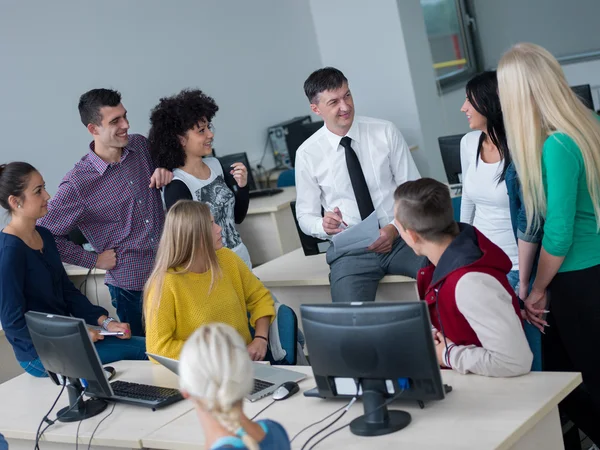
point(181, 137)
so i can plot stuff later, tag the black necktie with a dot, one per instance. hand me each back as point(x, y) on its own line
point(357, 178)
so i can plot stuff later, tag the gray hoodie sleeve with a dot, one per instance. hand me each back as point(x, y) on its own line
point(487, 306)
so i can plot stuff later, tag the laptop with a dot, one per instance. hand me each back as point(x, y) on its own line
point(266, 378)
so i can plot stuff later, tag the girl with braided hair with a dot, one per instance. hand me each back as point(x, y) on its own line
point(215, 373)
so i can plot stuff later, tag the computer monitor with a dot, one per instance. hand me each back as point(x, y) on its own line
point(77, 237)
point(226, 162)
point(450, 150)
point(584, 92)
point(65, 349)
point(387, 348)
point(301, 134)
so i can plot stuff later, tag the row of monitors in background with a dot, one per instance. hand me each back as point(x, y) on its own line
point(450, 145)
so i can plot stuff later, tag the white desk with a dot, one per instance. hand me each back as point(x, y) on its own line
point(296, 279)
point(26, 399)
point(269, 230)
point(480, 413)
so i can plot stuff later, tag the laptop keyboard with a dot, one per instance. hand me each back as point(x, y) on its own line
point(264, 192)
point(145, 393)
point(260, 385)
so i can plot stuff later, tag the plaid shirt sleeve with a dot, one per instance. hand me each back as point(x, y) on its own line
point(64, 212)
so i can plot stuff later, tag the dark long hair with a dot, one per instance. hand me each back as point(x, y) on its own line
point(482, 93)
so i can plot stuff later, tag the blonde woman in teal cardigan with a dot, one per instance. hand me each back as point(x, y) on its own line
point(555, 144)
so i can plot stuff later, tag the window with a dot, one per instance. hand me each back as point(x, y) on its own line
point(450, 29)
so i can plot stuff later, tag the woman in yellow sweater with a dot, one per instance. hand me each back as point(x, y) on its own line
point(196, 281)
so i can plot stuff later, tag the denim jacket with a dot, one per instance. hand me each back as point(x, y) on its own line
point(518, 216)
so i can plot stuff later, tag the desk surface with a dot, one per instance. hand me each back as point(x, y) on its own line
point(274, 203)
point(31, 397)
point(480, 413)
point(74, 271)
point(296, 269)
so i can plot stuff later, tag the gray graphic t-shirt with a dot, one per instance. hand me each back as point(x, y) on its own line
point(217, 195)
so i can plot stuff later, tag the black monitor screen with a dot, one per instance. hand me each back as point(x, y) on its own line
point(226, 162)
point(384, 341)
point(65, 348)
point(584, 92)
point(450, 150)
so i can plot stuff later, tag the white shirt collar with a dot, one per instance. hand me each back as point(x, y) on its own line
point(334, 139)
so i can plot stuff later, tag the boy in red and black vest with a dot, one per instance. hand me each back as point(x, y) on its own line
point(474, 311)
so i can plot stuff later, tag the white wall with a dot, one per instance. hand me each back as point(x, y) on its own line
point(253, 62)
point(578, 73)
point(563, 27)
point(382, 49)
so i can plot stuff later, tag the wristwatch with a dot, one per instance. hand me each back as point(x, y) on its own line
point(106, 321)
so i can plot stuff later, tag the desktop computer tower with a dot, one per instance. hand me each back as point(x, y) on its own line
point(286, 137)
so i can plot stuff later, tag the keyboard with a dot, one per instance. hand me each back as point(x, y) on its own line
point(260, 385)
point(264, 192)
point(144, 394)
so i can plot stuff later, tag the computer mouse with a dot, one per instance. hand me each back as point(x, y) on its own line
point(286, 390)
point(111, 372)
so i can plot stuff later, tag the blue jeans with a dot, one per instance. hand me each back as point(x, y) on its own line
point(533, 335)
point(129, 307)
point(110, 349)
point(3, 443)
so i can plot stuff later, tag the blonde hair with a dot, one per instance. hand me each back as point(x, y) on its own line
point(216, 370)
point(538, 102)
point(186, 234)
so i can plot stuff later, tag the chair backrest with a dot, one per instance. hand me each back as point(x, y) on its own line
point(287, 324)
point(286, 178)
point(311, 245)
point(450, 150)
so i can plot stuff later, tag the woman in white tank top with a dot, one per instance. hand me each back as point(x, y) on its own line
point(484, 159)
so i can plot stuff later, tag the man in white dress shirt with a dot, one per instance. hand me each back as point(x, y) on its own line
point(350, 168)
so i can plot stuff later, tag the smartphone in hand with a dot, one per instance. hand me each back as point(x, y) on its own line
point(111, 333)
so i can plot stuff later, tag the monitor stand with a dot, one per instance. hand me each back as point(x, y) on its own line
point(377, 420)
point(79, 409)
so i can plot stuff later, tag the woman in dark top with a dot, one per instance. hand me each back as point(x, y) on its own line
point(181, 136)
point(32, 277)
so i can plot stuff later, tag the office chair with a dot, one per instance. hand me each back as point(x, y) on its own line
point(286, 178)
point(310, 245)
point(450, 150)
point(286, 323)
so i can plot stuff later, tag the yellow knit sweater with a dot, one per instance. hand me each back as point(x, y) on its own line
point(186, 305)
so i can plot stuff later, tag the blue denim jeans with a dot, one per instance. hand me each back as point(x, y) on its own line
point(3, 443)
point(533, 335)
point(110, 349)
point(129, 307)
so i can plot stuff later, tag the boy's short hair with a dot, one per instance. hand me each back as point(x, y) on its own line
point(425, 207)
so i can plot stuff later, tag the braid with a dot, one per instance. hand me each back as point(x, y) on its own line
point(231, 421)
point(249, 442)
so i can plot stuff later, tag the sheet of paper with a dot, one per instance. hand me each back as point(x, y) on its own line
point(358, 236)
